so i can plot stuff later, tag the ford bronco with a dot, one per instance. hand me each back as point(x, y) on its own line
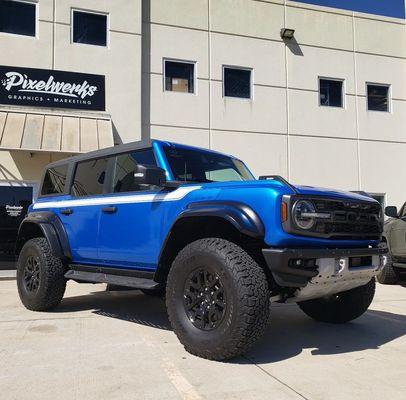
point(196, 224)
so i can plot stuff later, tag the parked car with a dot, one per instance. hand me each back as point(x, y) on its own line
point(197, 224)
point(394, 238)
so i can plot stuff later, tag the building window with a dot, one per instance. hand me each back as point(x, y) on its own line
point(331, 92)
point(89, 28)
point(179, 76)
point(237, 82)
point(18, 17)
point(378, 97)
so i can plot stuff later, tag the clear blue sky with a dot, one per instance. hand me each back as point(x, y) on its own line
point(389, 8)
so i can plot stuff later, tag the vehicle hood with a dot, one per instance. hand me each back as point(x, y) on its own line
point(284, 189)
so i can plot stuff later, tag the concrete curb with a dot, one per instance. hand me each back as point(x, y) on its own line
point(8, 275)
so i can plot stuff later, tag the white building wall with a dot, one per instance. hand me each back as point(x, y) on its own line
point(282, 129)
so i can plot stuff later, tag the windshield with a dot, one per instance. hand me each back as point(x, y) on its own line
point(203, 166)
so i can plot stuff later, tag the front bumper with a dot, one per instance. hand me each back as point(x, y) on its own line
point(328, 265)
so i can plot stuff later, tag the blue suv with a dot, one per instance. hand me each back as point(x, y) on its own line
point(196, 225)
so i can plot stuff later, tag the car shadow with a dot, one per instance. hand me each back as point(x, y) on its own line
point(290, 331)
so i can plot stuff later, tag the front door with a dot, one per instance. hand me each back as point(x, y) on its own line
point(14, 202)
point(130, 226)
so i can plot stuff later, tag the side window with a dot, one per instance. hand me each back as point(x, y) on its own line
point(179, 76)
point(54, 180)
point(89, 28)
point(125, 167)
point(89, 177)
point(17, 17)
point(378, 97)
point(331, 92)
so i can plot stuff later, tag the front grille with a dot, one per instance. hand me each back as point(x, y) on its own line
point(349, 219)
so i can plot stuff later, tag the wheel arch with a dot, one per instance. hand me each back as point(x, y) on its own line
point(233, 221)
point(44, 224)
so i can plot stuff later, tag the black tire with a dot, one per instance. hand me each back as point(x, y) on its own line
point(388, 275)
point(342, 307)
point(40, 276)
point(244, 296)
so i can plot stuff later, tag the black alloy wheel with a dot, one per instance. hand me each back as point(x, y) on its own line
point(204, 299)
point(32, 274)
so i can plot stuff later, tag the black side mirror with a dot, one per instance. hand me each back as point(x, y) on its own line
point(149, 175)
point(391, 211)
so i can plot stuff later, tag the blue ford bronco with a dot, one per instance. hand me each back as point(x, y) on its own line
point(196, 225)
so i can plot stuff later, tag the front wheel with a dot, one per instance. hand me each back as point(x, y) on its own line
point(217, 298)
point(341, 307)
point(40, 276)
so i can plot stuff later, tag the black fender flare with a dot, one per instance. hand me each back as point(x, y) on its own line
point(52, 229)
point(240, 215)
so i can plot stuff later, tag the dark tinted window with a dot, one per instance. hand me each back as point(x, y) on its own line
point(126, 166)
point(89, 177)
point(237, 83)
point(89, 28)
point(18, 18)
point(179, 76)
point(54, 180)
point(204, 166)
point(331, 93)
point(378, 98)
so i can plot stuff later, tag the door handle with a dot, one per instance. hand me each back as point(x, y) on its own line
point(67, 211)
point(109, 210)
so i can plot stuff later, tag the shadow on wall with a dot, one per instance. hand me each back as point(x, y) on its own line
point(289, 333)
point(294, 47)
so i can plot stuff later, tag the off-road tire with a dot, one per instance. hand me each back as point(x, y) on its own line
point(246, 290)
point(52, 282)
point(341, 307)
point(388, 275)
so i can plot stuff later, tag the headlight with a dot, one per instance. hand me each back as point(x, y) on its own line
point(304, 214)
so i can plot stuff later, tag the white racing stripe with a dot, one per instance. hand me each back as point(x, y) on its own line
point(125, 199)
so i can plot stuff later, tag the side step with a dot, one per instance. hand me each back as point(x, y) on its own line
point(99, 277)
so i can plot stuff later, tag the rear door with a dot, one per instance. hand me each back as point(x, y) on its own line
point(80, 212)
point(130, 224)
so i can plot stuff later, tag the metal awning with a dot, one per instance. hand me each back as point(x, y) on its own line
point(54, 131)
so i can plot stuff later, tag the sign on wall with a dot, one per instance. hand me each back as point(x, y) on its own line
point(50, 88)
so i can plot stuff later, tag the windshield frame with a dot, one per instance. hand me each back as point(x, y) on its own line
point(236, 162)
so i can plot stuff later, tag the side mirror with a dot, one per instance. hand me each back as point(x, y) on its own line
point(148, 175)
point(391, 211)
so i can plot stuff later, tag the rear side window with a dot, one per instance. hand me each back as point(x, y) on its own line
point(89, 177)
point(126, 165)
point(54, 180)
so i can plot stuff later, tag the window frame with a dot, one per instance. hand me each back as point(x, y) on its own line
point(36, 36)
point(224, 66)
point(86, 11)
point(343, 91)
point(387, 85)
point(194, 63)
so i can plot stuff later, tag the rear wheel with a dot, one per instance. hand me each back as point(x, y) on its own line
point(341, 307)
point(40, 276)
point(217, 298)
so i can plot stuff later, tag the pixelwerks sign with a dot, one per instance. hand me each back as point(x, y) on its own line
point(49, 88)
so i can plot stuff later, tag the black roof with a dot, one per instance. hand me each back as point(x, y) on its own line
point(108, 151)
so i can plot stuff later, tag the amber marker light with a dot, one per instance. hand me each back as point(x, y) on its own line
point(284, 212)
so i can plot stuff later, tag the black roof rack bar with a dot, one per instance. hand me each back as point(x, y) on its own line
point(280, 179)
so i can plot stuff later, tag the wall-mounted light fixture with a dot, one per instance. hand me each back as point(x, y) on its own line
point(287, 33)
